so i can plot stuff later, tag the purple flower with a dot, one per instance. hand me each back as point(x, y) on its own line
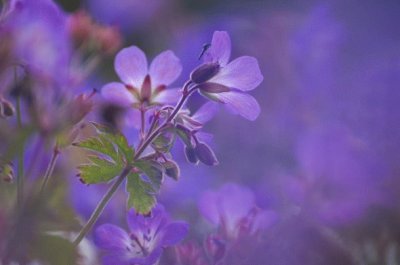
point(233, 209)
point(145, 242)
point(142, 86)
point(226, 82)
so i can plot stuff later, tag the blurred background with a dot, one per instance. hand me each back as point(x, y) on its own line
point(323, 156)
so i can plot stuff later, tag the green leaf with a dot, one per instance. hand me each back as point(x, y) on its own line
point(141, 194)
point(143, 186)
point(111, 154)
point(153, 170)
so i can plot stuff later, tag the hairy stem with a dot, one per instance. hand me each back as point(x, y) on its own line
point(142, 146)
point(20, 176)
point(50, 168)
point(102, 204)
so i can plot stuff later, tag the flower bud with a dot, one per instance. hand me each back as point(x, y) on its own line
point(190, 154)
point(214, 88)
point(6, 108)
point(205, 154)
point(171, 169)
point(204, 72)
point(7, 172)
point(109, 39)
point(80, 107)
point(185, 134)
point(80, 26)
point(215, 248)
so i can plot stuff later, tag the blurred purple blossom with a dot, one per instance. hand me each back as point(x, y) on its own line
point(339, 182)
point(144, 243)
point(128, 15)
point(233, 209)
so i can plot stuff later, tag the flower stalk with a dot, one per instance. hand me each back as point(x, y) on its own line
point(142, 146)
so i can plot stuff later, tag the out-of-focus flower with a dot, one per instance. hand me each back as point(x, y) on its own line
point(339, 184)
point(190, 254)
point(141, 86)
point(85, 32)
point(125, 14)
point(40, 39)
point(233, 209)
point(145, 242)
point(226, 82)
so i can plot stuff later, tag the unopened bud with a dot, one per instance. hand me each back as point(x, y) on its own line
point(190, 154)
point(205, 154)
point(215, 248)
point(204, 72)
point(80, 26)
point(6, 109)
point(171, 169)
point(214, 88)
point(80, 107)
point(109, 39)
point(7, 172)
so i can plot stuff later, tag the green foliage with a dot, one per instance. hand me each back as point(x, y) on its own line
point(141, 194)
point(143, 189)
point(111, 154)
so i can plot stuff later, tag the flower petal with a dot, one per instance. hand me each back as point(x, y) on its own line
point(111, 237)
point(118, 94)
point(240, 103)
point(138, 223)
point(131, 66)
point(168, 96)
point(173, 233)
point(165, 69)
point(242, 73)
point(119, 257)
point(205, 112)
point(208, 206)
point(220, 50)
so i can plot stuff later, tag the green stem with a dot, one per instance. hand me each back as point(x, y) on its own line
point(104, 201)
point(50, 168)
point(102, 204)
point(20, 176)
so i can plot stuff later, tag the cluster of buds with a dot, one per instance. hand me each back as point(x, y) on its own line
point(85, 32)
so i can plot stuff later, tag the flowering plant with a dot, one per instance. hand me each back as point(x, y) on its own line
point(41, 98)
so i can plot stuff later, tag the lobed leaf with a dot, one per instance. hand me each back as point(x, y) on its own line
point(111, 154)
point(141, 194)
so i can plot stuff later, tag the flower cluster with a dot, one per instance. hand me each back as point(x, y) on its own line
point(49, 58)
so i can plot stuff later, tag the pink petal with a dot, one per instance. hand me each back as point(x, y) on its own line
point(220, 50)
point(131, 66)
point(206, 112)
point(165, 69)
point(240, 103)
point(118, 94)
point(168, 96)
point(242, 73)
